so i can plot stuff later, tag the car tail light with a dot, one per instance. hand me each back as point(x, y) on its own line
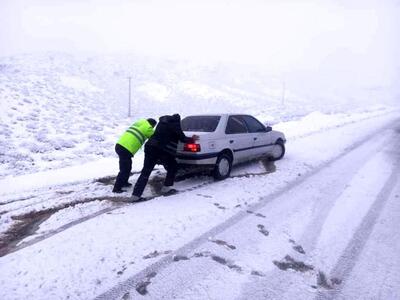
point(191, 147)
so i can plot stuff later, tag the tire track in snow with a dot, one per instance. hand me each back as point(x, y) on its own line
point(351, 254)
point(57, 189)
point(117, 202)
point(86, 218)
point(114, 207)
point(129, 284)
point(335, 183)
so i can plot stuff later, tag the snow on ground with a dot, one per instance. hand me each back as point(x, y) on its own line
point(281, 254)
point(313, 122)
point(107, 249)
point(60, 117)
point(90, 170)
point(47, 116)
point(379, 266)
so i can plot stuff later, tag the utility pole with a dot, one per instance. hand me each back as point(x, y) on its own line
point(129, 98)
point(283, 92)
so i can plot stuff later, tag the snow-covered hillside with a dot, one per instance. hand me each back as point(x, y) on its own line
point(59, 110)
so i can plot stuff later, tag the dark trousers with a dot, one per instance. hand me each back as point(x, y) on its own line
point(153, 156)
point(125, 166)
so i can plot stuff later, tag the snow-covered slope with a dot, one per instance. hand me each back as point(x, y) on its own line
point(59, 110)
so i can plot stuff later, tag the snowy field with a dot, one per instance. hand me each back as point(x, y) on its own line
point(306, 227)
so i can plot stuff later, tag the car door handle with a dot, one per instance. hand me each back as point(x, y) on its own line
point(231, 141)
point(255, 138)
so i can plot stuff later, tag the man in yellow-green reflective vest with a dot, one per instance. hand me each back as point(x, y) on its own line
point(128, 144)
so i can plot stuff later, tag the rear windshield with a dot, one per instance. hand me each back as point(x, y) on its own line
point(200, 123)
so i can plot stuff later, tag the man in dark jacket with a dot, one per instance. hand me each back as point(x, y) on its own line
point(161, 148)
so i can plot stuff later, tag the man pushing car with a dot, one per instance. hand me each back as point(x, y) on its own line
point(161, 148)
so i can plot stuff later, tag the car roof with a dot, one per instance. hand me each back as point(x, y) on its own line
point(215, 114)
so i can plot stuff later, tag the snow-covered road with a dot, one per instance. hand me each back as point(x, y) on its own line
point(320, 223)
point(318, 239)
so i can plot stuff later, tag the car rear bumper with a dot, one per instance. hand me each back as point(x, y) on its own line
point(196, 158)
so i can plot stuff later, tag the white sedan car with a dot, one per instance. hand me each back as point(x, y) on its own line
point(226, 140)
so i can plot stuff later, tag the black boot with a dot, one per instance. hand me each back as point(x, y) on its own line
point(118, 191)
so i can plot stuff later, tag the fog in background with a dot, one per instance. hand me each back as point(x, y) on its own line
point(341, 46)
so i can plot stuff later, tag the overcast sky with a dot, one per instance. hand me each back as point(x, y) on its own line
point(357, 37)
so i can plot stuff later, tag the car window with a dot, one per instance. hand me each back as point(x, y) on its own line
point(235, 125)
point(253, 124)
point(200, 123)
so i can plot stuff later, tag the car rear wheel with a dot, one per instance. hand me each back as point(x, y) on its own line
point(278, 151)
point(222, 167)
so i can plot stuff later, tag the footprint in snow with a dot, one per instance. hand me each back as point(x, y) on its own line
point(126, 296)
point(261, 228)
point(120, 272)
point(324, 282)
point(297, 247)
point(219, 206)
point(290, 263)
point(257, 273)
point(256, 214)
point(141, 287)
point(205, 196)
point(155, 253)
point(180, 257)
point(202, 254)
point(226, 262)
point(230, 264)
point(223, 243)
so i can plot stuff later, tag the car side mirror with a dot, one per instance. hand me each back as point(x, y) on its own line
point(268, 128)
